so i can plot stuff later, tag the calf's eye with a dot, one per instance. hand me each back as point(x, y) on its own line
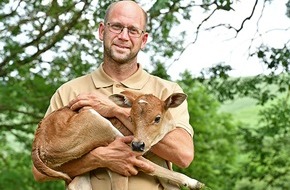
point(157, 119)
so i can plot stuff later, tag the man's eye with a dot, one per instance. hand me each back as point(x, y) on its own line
point(133, 30)
point(117, 27)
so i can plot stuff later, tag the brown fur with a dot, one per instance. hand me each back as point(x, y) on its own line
point(65, 135)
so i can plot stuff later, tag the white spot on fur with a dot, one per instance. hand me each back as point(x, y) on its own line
point(109, 123)
point(143, 101)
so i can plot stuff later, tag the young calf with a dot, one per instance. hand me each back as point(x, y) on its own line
point(65, 135)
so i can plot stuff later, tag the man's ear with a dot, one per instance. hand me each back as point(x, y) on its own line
point(101, 31)
point(144, 40)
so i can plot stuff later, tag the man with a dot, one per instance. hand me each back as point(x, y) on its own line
point(123, 35)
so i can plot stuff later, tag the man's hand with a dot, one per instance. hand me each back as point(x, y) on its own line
point(119, 157)
point(99, 102)
point(104, 106)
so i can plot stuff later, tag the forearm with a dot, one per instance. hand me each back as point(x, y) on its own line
point(81, 165)
point(178, 142)
point(73, 168)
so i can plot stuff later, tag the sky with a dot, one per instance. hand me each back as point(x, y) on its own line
point(221, 46)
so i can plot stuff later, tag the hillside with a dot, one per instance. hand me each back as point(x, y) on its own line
point(243, 109)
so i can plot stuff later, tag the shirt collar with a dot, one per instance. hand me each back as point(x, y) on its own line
point(136, 81)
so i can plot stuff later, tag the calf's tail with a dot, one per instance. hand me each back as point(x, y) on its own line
point(44, 169)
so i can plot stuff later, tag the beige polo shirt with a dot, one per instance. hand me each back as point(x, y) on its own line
point(141, 81)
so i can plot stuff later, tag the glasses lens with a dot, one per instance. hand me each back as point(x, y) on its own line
point(118, 28)
point(115, 28)
point(134, 32)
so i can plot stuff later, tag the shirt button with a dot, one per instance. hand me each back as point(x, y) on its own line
point(118, 85)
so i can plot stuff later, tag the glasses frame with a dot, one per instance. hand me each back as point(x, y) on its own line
point(129, 28)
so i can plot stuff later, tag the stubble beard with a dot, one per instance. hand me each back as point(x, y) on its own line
point(118, 56)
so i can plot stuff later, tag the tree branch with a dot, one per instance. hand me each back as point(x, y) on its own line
point(19, 126)
point(4, 108)
point(195, 39)
point(213, 27)
point(64, 30)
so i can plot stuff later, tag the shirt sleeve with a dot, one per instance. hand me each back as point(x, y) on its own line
point(55, 103)
point(181, 114)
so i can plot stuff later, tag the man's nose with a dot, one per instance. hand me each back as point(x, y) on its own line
point(124, 34)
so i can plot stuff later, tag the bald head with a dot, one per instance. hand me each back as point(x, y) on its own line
point(130, 6)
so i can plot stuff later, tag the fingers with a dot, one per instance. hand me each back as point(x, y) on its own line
point(84, 100)
point(130, 171)
point(135, 165)
point(119, 157)
point(72, 102)
point(126, 139)
point(136, 160)
point(143, 165)
point(79, 102)
point(100, 103)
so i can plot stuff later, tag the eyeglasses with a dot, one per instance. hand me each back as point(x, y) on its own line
point(118, 28)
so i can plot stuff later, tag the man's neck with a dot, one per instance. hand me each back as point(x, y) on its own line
point(120, 72)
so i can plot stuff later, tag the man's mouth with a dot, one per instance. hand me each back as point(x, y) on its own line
point(121, 46)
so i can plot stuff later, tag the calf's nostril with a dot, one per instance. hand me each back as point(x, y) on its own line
point(138, 146)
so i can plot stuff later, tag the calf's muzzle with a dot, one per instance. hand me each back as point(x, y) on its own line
point(138, 146)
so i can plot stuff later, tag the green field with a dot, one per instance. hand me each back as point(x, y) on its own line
point(244, 110)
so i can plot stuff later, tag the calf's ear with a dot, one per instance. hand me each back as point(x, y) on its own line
point(174, 100)
point(121, 100)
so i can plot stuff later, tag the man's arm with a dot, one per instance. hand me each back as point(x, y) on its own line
point(117, 156)
point(178, 142)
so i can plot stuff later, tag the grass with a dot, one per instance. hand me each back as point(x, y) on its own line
point(246, 109)
point(243, 110)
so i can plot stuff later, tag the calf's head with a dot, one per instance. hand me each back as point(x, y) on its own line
point(149, 115)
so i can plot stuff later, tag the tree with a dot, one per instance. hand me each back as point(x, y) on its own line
point(268, 147)
point(216, 145)
point(264, 164)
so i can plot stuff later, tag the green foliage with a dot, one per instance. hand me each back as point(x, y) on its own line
point(160, 71)
point(288, 8)
point(163, 17)
point(263, 163)
point(262, 88)
point(42, 46)
point(215, 138)
point(259, 87)
point(268, 148)
point(15, 164)
point(275, 58)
